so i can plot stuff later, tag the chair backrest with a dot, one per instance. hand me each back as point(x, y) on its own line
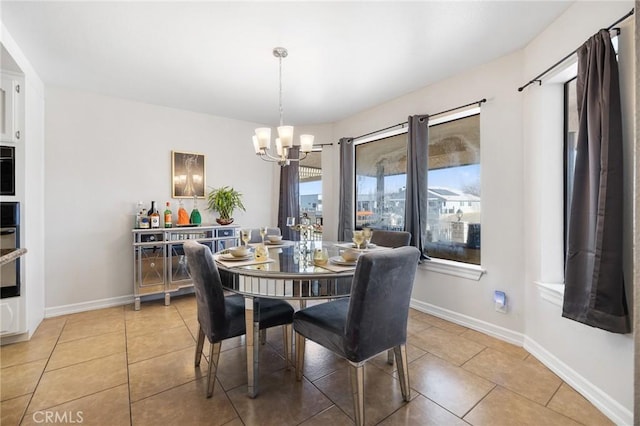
point(208, 288)
point(390, 238)
point(379, 303)
point(255, 234)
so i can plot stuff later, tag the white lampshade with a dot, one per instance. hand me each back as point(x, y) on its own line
point(286, 136)
point(279, 146)
point(256, 146)
point(306, 143)
point(264, 137)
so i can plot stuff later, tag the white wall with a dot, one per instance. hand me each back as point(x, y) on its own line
point(501, 154)
point(597, 363)
point(102, 155)
point(521, 151)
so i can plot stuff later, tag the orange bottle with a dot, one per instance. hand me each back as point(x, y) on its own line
point(183, 216)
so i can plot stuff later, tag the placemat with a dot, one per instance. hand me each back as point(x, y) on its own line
point(336, 268)
point(282, 243)
point(353, 246)
point(238, 263)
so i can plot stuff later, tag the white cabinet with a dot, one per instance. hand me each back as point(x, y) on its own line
point(11, 88)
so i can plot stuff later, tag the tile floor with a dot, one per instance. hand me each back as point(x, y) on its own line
point(118, 366)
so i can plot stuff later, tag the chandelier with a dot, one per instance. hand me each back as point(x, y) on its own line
point(284, 141)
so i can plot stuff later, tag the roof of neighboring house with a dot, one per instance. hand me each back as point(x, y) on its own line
point(449, 194)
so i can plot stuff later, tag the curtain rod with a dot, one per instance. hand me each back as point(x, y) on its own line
point(536, 79)
point(404, 123)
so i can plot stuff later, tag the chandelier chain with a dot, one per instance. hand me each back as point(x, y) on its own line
point(280, 98)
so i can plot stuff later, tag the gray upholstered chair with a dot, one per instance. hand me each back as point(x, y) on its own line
point(255, 234)
point(390, 238)
point(371, 321)
point(221, 317)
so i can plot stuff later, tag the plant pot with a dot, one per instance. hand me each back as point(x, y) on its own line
point(224, 221)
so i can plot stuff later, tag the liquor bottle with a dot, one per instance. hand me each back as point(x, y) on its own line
point(183, 216)
point(167, 217)
point(154, 216)
point(138, 215)
point(195, 217)
point(144, 219)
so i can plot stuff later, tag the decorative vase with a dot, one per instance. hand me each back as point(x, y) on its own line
point(222, 221)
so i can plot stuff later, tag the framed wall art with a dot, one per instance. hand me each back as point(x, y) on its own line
point(187, 175)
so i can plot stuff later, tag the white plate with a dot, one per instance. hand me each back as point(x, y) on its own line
point(229, 257)
point(338, 260)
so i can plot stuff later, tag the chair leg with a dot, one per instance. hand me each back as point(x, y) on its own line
point(357, 389)
point(286, 342)
point(263, 336)
point(403, 371)
point(300, 341)
point(390, 357)
point(199, 346)
point(214, 357)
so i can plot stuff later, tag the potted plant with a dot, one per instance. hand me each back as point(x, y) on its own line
point(225, 200)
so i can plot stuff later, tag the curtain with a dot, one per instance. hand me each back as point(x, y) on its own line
point(416, 202)
point(289, 195)
point(594, 284)
point(346, 212)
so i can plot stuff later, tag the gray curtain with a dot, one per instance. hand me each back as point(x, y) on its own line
point(346, 212)
point(289, 196)
point(416, 203)
point(594, 284)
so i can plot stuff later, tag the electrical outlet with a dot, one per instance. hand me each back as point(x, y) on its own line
point(500, 301)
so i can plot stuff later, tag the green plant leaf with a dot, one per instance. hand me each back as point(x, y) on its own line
point(225, 200)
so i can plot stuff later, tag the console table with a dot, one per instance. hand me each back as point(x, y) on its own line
point(159, 265)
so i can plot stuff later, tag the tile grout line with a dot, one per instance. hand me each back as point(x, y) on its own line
point(126, 347)
point(44, 370)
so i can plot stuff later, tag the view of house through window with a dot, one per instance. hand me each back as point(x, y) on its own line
point(453, 223)
point(453, 216)
point(311, 187)
point(381, 181)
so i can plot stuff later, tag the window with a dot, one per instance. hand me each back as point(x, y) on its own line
point(570, 141)
point(381, 180)
point(311, 186)
point(453, 215)
point(453, 223)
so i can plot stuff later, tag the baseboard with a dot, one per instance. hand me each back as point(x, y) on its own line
point(74, 308)
point(601, 400)
point(107, 303)
point(470, 322)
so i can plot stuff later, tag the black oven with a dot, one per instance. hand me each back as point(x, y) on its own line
point(10, 240)
point(7, 170)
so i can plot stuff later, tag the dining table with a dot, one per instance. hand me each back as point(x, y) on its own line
point(289, 272)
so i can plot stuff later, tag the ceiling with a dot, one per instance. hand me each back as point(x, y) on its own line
point(216, 57)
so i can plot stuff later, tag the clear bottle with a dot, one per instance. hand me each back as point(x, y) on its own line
point(144, 219)
point(154, 216)
point(138, 215)
point(168, 220)
point(195, 217)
